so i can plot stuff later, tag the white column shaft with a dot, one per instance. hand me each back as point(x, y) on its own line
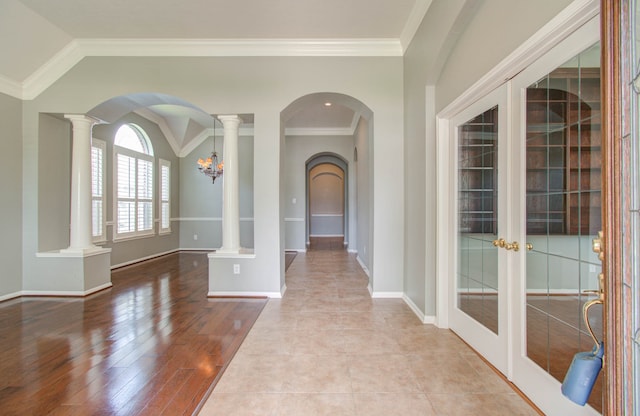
point(81, 235)
point(230, 186)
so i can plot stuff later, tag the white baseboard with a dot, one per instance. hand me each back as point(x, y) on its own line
point(364, 268)
point(353, 251)
point(199, 249)
point(10, 296)
point(299, 250)
point(273, 295)
point(153, 256)
point(66, 293)
point(423, 318)
point(387, 295)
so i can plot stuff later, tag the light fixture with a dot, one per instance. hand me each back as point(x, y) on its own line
point(211, 166)
point(327, 104)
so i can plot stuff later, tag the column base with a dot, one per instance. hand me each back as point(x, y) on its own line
point(76, 272)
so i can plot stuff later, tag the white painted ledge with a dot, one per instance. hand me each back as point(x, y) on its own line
point(68, 253)
point(244, 253)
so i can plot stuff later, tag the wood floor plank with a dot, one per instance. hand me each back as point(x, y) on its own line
point(151, 344)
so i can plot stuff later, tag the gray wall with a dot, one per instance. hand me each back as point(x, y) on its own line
point(484, 33)
point(201, 201)
point(263, 86)
point(497, 28)
point(11, 186)
point(54, 193)
point(364, 191)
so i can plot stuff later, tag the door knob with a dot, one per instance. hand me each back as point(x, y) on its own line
point(512, 246)
point(499, 243)
point(529, 246)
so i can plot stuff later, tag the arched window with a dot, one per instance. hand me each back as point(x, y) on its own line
point(133, 164)
point(132, 137)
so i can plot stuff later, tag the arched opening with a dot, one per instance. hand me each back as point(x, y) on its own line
point(333, 129)
point(327, 219)
point(186, 207)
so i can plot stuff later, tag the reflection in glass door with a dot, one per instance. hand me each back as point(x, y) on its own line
point(478, 307)
point(563, 213)
point(477, 218)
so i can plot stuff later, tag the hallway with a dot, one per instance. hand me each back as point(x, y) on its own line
point(327, 348)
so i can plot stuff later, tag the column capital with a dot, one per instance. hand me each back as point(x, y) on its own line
point(231, 119)
point(82, 118)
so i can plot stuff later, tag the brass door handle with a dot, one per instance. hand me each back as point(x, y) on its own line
point(501, 242)
point(512, 246)
point(598, 245)
point(529, 246)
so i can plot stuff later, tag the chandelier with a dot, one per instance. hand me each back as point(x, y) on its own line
point(211, 166)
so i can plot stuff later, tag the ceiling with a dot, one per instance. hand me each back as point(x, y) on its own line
point(42, 39)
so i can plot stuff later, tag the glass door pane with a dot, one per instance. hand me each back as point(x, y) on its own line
point(477, 271)
point(563, 212)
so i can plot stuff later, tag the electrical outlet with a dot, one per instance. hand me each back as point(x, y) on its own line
point(293, 200)
point(195, 237)
point(236, 269)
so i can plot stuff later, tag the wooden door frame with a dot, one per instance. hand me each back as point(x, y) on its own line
point(615, 19)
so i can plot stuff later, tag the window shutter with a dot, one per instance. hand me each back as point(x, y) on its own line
point(97, 189)
point(165, 212)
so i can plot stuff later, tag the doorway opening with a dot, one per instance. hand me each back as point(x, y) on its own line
point(327, 202)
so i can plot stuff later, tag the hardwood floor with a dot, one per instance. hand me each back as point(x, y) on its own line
point(152, 344)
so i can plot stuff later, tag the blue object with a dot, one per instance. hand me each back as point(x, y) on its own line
point(582, 374)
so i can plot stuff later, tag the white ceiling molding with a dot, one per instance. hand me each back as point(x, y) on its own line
point(304, 131)
point(196, 141)
point(416, 16)
point(356, 119)
point(10, 87)
point(240, 47)
point(77, 49)
point(51, 71)
point(162, 125)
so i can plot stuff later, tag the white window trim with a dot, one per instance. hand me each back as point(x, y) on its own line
point(102, 238)
point(132, 234)
point(164, 164)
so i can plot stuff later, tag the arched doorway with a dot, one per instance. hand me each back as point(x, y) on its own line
point(327, 200)
point(322, 124)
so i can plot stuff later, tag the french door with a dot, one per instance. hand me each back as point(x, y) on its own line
point(527, 205)
point(478, 309)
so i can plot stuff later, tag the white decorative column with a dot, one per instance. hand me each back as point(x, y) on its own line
point(230, 186)
point(82, 268)
point(81, 237)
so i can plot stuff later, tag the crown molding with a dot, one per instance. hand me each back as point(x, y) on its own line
point(196, 141)
point(355, 121)
point(317, 131)
point(240, 47)
point(11, 87)
point(52, 70)
point(78, 49)
point(416, 16)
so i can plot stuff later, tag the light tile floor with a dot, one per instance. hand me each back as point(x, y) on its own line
point(327, 348)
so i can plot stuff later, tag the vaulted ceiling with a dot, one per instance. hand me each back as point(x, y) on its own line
point(42, 39)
